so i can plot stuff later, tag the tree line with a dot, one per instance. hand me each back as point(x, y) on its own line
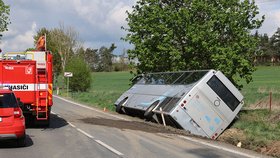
point(268, 50)
point(70, 55)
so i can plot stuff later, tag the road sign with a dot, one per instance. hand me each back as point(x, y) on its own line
point(68, 74)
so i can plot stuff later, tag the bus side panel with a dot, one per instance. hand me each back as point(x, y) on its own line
point(142, 96)
point(141, 101)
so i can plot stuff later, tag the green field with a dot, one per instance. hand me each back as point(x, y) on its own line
point(257, 129)
point(265, 80)
point(105, 90)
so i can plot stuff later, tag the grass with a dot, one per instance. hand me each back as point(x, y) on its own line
point(105, 90)
point(260, 127)
point(265, 80)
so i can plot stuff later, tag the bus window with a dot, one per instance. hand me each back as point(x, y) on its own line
point(223, 92)
point(136, 79)
point(190, 77)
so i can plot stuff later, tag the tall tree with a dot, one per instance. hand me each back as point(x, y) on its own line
point(92, 58)
point(106, 55)
point(67, 42)
point(275, 41)
point(63, 42)
point(4, 17)
point(265, 46)
point(194, 34)
point(81, 80)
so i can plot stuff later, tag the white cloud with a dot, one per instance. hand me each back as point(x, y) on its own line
point(118, 15)
point(19, 42)
point(11, 32)
point(271, 23)
point(97, 21)
point(104, 15)
point(271, 10)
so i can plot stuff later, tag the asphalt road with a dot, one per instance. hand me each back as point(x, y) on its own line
point(80, 132)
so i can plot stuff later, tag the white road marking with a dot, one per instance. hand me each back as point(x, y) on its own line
point(217, 147)
point(109, 148)
point(53, 113)
point(97, 141)
point(85, 133)
point(84, 106)
point(71, 124)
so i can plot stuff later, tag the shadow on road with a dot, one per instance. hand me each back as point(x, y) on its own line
point(13, 144)
point(55, 122)
point(202, 152)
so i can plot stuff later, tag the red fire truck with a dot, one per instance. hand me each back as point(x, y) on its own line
point(29, 75)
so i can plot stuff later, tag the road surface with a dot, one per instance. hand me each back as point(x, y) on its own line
point(77, 131)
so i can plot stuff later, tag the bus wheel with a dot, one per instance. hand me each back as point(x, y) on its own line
point(149, 112)
point(120, 106)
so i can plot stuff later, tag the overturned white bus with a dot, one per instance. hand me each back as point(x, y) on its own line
point(203, 102)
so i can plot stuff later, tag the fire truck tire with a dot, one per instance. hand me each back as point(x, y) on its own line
point(29, 120)
point(119, 107)
point(46, 123)
point(149, 112)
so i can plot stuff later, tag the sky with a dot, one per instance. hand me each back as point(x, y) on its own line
point(98, 22)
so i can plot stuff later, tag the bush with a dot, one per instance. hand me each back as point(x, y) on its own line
point(81, 80)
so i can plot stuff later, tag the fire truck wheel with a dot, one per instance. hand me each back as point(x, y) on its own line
point(119, 107)
point(46, 123)
point(149, 112)
point(29, 120)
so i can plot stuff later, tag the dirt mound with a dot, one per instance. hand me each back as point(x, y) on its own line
point(272, 149)
point(134, 125)
point(232, 136)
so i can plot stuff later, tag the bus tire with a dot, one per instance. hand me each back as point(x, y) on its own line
point(120, 106)
point(149, 112)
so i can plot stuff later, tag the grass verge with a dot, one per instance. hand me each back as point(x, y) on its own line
point(105, 90)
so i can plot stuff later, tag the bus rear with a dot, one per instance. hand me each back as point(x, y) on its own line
point(209, 107)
